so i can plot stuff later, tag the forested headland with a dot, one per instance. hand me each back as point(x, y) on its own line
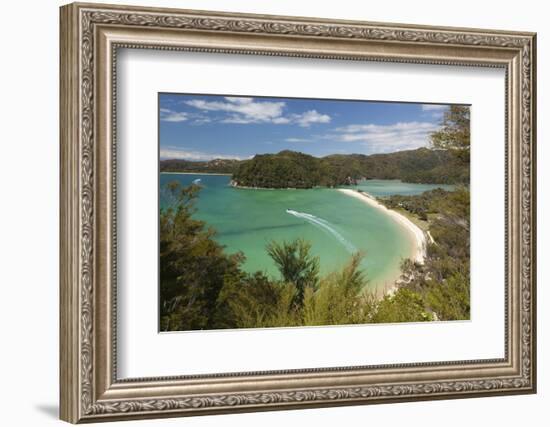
point(291, 169)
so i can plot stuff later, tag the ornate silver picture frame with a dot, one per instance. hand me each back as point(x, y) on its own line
point(91, 35)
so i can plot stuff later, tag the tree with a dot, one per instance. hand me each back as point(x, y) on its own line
point(454, 134)
point(288, 169)
point(403, 306)
point(443, 281)
point(450, 299)
point(296, 265)
point(250, 301)
point(193, 266)
point(341, 298)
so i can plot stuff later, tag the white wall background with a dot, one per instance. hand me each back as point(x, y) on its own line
point(29, 170)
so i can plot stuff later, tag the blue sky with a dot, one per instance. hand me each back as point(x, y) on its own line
point(204, 127)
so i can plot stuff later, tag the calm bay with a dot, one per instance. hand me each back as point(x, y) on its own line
point(335, 224)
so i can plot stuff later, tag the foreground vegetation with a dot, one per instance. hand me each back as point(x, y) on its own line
point(443, 281)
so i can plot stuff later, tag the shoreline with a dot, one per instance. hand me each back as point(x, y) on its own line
point(195, 173)
point(241, 187)
point(417, 235)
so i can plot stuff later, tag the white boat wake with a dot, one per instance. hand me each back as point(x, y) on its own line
point(326, 226)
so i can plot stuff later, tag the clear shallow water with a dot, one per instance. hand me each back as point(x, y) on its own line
point(336, 224)
point(383, 187)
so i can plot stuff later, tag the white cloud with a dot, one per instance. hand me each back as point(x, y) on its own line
point(248, 110)
point(281, 120)
point(200, 120)
point(181, 153)
point(243, 110)
point(434, 110)
point(239, 99)
point(240, 120)
point(309, 117)
point(167, 115)
point(297, 140)
point(434, 107)
point(387, 138)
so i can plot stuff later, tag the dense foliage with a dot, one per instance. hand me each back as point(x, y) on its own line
point(193, 267)
point(289, 169)
point(454, 135)
point(296, 266)
point(225, 166)
point(443, 281)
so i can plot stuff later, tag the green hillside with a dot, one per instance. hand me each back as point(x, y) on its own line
point(289, 169)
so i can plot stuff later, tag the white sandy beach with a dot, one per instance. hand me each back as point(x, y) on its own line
point(417, 235)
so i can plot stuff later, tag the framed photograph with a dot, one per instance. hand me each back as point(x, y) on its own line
point(266, 212)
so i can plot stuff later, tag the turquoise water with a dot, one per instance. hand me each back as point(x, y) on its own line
point(383, 187)
point(336, 224)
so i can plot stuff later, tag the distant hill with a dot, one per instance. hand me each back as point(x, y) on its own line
point(422, 165)
point(291, 169)
point(287, 169)
point(212, 166)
